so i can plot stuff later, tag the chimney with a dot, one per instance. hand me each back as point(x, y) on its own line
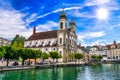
point(34, 30)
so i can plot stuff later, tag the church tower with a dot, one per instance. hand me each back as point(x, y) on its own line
point(72, 26)
point(61, 35)
point(62, 21)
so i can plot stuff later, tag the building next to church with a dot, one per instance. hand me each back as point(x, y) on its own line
point(110, 52)
point(4, 41)
point(63, 40)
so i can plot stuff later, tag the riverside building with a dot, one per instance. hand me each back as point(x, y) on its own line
point(110, 52)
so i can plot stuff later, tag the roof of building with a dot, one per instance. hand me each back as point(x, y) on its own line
point(3, 41)
point(43, 35)
point(109, 46)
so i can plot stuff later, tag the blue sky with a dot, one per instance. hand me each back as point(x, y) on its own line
point(97, 21)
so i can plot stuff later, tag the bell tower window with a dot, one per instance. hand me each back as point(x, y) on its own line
point(60, 40)
point(61, 25)
point(66, 25)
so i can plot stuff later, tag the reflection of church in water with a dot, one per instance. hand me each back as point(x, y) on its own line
point(63, 40)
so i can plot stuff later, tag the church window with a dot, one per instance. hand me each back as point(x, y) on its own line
point(60, 40)
point(35, 43)
point(66, 25)
point(49, 43)
point(61, 25)
point(66, 41)
point(60, 52)
point(46, 49)
point(54, 49)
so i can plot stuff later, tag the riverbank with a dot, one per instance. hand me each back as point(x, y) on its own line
point(11, 68)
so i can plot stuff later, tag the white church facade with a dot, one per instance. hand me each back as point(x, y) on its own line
point(63, 40)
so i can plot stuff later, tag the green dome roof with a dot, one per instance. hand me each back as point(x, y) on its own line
point(63, 15)
point(72, 22)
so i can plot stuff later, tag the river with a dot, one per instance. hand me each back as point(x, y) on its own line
point(96, 72)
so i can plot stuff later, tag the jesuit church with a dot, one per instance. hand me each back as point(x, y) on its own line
point(63, 40)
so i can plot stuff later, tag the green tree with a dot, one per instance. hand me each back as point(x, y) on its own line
point(94, 57)
point(99, 57)
point(18, 41)
point(9, 54)
point(2, 51)
point(71, 56)
point(44, 56)
point(78, 56)
point(36, 54)
point(54, 55)
point(24, 54)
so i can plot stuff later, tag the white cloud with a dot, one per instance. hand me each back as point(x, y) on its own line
point(55, 11)
point(90, 35)
point(47, 26)
point(77, 13)
point(114, 26)
point(11, 22)
point(99, 42)
point(110, 4)
point(96, 2)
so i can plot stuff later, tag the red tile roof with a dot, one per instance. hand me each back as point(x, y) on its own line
point(43, 35)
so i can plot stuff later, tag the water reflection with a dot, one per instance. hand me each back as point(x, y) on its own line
point(99, 72)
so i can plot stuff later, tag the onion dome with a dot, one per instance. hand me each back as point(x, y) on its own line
point(63, 15)
point(72, 22)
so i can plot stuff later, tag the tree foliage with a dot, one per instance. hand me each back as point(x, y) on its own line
point(2, 51)
point(71, 55)
point(9, 54)
point(96, 57)
point(18, 41)
point(78, 55)
point(99, 57)
point(35, 54)
point(44, 56)
point(54, 55)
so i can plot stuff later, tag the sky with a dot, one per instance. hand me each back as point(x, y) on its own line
point(97, 21)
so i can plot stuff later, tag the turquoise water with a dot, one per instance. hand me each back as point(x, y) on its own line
point(99, 72)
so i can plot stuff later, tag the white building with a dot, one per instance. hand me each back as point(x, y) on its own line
point(4, 41)
point(109, 52)
point(63, 40)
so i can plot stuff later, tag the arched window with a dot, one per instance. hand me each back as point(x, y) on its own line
point(60, 40)
point(61, 25)
point(60, 52)
point(66, 25)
